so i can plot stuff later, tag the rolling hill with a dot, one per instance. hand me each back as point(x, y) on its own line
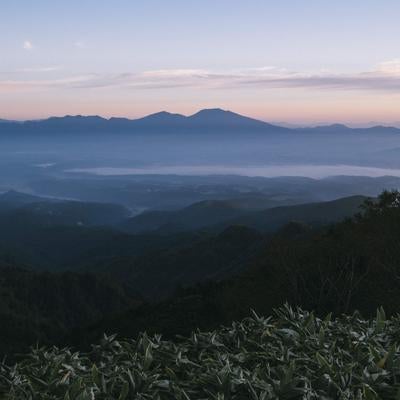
point(216, 215)
point(351, 265)
point(195, 216)
point(315, 214)
point(51, 211)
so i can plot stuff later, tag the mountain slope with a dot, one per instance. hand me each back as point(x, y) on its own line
point(44, 307)
point(352, 265)
point(195, 216)
point(160, 118)
point(217, 117)
point(311, 213)
point(12, 200)
point(210, 119)
point(157, 273)
point(214, 119)
point(51, 212)
point(217, 215)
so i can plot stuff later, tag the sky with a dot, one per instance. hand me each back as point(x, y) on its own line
point(293, 61)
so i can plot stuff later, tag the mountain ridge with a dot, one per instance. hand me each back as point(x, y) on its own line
point(205, 120)
point(219, 214)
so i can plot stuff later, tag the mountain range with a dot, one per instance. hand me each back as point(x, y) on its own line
point(205, 120)
point(218, 215)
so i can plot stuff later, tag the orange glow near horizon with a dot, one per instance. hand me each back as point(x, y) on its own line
point(350, 109)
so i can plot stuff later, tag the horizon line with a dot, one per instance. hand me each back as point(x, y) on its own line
point(283, 124)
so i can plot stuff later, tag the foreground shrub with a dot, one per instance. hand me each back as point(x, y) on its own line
point(292, 355)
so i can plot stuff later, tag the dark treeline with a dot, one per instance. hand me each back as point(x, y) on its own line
point(342, 267)
point(348, 266)
point(41, 307)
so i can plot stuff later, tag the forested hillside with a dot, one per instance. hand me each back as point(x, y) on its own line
point(352, 265)
point(178, 283)
point(45, 307)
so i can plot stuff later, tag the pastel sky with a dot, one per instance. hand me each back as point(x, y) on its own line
point(299, 61)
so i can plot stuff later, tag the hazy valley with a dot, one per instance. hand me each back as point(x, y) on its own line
point(195, 202)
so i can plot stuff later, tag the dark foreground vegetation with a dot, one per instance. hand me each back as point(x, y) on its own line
point(67, 284)
point(293, 355)
point(42, 307)
point(341, 268)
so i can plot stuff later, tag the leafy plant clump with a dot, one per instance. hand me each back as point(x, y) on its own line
point(292, 355)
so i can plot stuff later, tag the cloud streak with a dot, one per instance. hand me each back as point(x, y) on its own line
point(385, 78)
point(40, 69)
point(364, 82)
point(11, 86)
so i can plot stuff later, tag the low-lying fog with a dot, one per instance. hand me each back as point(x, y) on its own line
point(268, 171)
point(160, 171)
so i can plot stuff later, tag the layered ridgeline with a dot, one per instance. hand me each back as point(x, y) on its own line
point(210, 141)
point(292, 355)
point(205, 120)
point(217, 215)
point(347, 266)
point(49, 211)
point(191, 280)
point(156, 251)
point(163, 121)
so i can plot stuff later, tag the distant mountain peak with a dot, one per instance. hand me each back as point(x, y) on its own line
point(215, 113)
point(333, 127)
point(162, 117)
point(164, 114)
point(71, 119)
point(80, 117)
point(205, 120)
point(209, 111)
point(220, 117)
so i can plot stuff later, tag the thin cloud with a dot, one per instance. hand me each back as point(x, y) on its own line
point(391, 67)
point(168, 73)
point(384, 77)
point(362, 81)
point(40, 69)
point(27, 45)
point(8, 86)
